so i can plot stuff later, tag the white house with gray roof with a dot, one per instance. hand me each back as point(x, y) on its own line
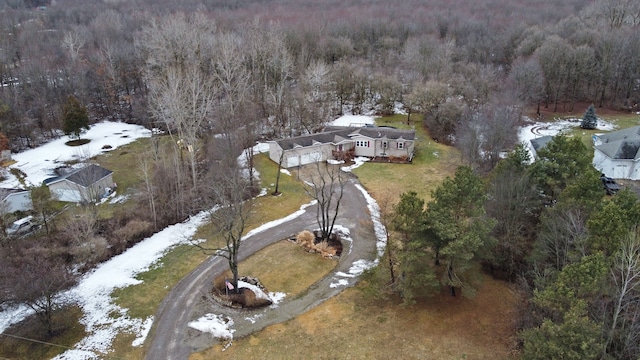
point(616, 154)
point(334, 142)
point(86, 184)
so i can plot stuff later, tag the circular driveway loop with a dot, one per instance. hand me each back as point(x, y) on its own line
point(171, 338)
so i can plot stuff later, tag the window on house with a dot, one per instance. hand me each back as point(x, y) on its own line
point(362, 143)
point(384, 144)
point(400, 145)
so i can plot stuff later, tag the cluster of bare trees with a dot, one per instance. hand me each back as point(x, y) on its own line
point(290, 70)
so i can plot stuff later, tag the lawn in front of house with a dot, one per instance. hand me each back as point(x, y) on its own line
point(431, 164)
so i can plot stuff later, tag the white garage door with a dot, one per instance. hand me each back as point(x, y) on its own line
point(67, 195)
point(310, 158)
point(292, 161)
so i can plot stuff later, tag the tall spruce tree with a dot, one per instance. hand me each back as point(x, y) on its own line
point(589, 120)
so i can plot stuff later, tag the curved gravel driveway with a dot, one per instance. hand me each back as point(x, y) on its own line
point(171, 338)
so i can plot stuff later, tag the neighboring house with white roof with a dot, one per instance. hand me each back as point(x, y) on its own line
point(12, 200)
point(86, 184)
point(343, 143)
point(616, 153)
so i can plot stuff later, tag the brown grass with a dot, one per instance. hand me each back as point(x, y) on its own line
point(295, 269)
point(350, 327)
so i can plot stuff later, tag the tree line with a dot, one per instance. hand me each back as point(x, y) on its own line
point(307, 63)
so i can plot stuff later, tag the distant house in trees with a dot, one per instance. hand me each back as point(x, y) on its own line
point(344, 143)
point(616, 154)
point(87, 184)
point(12, 200)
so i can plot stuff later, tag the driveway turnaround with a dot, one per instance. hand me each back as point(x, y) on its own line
point(171, 338)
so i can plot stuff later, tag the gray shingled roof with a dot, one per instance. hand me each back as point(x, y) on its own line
point(539, 143)
point(337, 134)
point(85, 176)
point(632, 133)
point(384, 132)
point(325, 137)
point(621, 144)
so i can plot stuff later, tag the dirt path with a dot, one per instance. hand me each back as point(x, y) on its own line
point(171, 338)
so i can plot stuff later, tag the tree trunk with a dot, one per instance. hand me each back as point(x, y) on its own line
point(450, 276)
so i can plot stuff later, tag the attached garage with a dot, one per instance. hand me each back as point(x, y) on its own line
point(310, 158)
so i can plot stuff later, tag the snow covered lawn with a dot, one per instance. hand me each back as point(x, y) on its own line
point(38, 164)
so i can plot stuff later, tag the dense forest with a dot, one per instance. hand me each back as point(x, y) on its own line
point(218, 75)
point(449, 61)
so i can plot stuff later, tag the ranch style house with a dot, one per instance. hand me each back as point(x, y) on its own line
point(344, 143)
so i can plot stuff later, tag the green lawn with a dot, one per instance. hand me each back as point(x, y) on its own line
point(432, 163)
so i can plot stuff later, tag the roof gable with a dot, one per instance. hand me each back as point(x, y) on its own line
point(632, 133)
point(5, 192)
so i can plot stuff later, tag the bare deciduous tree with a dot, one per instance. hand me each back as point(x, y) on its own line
point(623, 329)
point(181, 89)
point(326, 186)
point(232, 208)
point(35, 280)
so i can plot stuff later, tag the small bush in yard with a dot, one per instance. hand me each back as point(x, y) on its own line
point(306, 239)
point(325, 249)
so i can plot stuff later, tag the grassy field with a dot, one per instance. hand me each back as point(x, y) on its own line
point(355, 326)
point(18, 341)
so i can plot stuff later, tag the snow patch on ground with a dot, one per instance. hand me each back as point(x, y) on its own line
point(119, 199)
point(276, 298)
point(358, 162)
point(256, 290)
point(539, 129)
point(379, 229)
point(353, 120)
point(360, 266)
point(38, 164)
point(285, 171)
point(103, 319)
point(273, 223)
point(218, 326)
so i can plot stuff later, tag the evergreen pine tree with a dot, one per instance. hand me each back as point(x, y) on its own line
point(589, 120)
point(75, 118)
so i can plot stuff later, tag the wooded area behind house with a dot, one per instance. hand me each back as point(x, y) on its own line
point(216, 76)
point(455, 62)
